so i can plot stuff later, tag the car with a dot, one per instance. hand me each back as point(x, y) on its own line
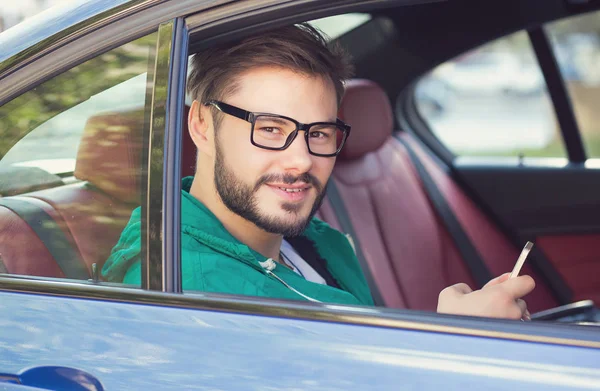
point(93, 124)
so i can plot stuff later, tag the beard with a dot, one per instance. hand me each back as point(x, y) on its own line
point(241, 198)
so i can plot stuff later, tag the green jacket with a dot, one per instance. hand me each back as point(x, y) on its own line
point(214, 261)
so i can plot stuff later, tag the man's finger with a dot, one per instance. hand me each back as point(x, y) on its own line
point(461, 288)
point(497, 280)
point(519, 286)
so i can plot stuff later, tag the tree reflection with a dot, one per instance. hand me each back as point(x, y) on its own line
point(89, 115)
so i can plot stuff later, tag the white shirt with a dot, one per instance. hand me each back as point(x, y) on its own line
point(299, 265)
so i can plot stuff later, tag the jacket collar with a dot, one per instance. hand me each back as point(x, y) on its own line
point(199, 222)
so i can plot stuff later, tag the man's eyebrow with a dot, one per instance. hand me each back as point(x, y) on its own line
point(277, 120)
point(330, 121)
point(285, 121)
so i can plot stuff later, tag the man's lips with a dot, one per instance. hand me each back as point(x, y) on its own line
point(294, 192)
point(294, 187)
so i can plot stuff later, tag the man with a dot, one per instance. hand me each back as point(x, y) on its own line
point(264, 123)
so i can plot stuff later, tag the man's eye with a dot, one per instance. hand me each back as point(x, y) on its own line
point(269, 129)
point(317, 134)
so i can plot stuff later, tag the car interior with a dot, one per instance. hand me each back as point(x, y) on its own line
point(421, 217)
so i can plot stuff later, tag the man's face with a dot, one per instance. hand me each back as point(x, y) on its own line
point(279, 191)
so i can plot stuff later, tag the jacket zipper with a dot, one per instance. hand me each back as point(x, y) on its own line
point(269, 265)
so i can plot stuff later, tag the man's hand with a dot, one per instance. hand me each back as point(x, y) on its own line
point(499, 298)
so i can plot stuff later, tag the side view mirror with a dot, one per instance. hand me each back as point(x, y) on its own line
point(51, 378)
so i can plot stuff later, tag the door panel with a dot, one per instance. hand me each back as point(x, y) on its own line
point(576, 258)
point(130, 346)
point(556, 207)
point(537, 200)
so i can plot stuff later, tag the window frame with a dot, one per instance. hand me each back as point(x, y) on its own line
point(557, 89)
point(83, 48)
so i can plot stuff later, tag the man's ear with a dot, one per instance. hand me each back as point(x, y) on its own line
point(201, 128)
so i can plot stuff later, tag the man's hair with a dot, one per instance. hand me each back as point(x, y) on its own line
point(300, 48)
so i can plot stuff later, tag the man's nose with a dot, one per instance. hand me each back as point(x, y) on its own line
point(297, 156)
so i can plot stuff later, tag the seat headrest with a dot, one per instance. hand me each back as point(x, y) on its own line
point(365, 107)
point(110, 154)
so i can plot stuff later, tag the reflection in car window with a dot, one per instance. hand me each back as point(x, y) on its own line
point(576, 43)
point(491, 101)
point(52, 146)
point(71, 153)
point(47, 122)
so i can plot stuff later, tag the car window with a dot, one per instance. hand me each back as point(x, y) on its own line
point(335, 26)
point(576, 43)
point(71, 161)
point(491, 101)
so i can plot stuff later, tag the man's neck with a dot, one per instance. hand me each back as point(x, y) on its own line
point(264, 243)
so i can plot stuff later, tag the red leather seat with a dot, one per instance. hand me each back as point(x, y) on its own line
point(410, 253)
point(91, 212)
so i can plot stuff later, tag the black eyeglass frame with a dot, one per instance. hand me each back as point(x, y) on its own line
point(250, 116)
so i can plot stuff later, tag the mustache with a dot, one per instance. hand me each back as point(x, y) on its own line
point(289, 179)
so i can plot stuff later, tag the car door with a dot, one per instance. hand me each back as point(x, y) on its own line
point(65, 332)
point(513, 115)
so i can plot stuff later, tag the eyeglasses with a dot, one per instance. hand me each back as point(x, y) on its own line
point(277, 132)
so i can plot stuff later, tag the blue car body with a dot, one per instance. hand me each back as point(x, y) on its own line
point(160, 339)
point(155, 347)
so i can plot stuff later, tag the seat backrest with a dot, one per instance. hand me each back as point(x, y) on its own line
point(91, 212)
point(410, 253)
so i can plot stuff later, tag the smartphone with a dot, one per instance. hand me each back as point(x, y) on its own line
point(521, 260)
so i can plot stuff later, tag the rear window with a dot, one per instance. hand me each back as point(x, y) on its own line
point(491, 101)
point(576, 44)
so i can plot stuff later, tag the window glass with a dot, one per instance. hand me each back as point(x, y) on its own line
point(491, 101)
point(335, 26)
point(71, 153)
point(576, 43)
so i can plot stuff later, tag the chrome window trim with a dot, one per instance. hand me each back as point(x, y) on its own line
point(153, 252)
point(161, 212)
point(172, 159)
point(537, 332)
